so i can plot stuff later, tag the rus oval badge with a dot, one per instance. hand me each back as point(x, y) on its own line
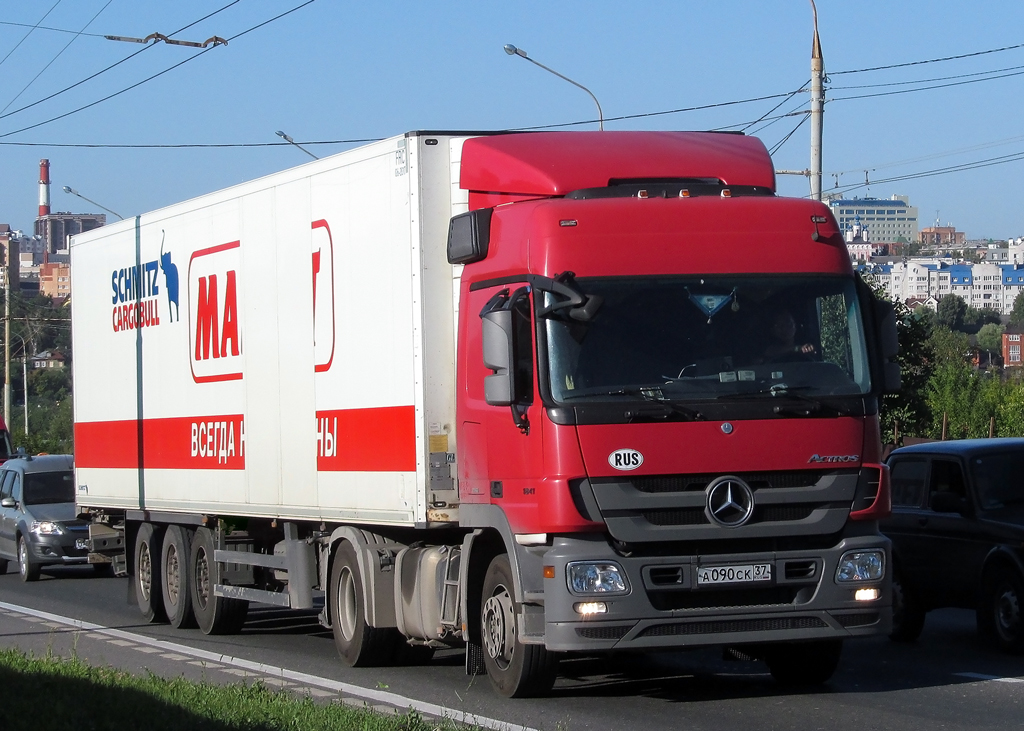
point(625, 459)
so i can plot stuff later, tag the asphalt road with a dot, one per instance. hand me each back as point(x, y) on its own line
point(947, 680)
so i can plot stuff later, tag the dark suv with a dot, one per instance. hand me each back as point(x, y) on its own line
point(38, 524)
point(957, 530)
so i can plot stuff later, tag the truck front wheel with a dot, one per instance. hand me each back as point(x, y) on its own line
point(148, 544)
point(359, 644)
point(216, 615)
point(515, 670)
point(803, 663)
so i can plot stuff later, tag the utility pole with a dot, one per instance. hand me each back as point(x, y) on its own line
point(7, 336)
point(817, 108)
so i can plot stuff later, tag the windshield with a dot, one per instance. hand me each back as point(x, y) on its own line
point(49, 487)
point(999, 479)
point(714, 337)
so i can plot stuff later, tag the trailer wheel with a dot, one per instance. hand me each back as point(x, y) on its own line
point(176, 586)
point(216, 615)
point(803, 663)
point(359, 644)
point(148, 543)
point(516, 670)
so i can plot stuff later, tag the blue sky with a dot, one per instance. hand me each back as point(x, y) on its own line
point(335, 70)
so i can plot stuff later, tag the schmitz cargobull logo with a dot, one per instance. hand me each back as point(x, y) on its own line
point(214, 312)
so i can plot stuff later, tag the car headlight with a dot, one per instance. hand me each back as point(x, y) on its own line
point(861, 566)
point(46, 528)
point(596, 577)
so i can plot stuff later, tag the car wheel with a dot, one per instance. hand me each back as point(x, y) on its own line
point(907, 615)
point(803, 663)
point(29, 571)
point(358, 644)
point(216, 615)
point(176, 585)
point(515, 670)
point(148, 571)
point(1001, 610)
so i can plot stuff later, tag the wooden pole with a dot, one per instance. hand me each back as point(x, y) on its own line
point(991, 427)
point(945, 424)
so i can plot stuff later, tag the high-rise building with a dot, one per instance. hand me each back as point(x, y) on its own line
point(884, 220)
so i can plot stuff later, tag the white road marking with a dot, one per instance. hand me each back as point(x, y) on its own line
point(998, 679)
point(374, 697)
point(122, 643)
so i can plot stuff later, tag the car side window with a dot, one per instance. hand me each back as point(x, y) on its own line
point(16, 487)
point(908, 482)
point(947, 477)
point(5, 485)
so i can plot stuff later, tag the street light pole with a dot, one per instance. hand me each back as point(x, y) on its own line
point(72, 191)
point(290, 141)
point(514, 51)
point(817, 108)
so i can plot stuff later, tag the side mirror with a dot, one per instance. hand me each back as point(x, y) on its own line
point(469, 235)
point(499, 355)
point(8, 502)
point(947, 502)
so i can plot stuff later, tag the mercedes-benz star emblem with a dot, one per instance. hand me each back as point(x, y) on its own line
point(730, 502)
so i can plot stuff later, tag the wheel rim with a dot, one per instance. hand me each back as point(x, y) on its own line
point(202, 578)
point(347, 609)
point(498, 622)
point(1007, 611)
point(145, 571)
point(23, 557)
point(172, 574)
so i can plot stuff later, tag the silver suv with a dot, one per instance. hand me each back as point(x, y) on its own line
point(38, 524)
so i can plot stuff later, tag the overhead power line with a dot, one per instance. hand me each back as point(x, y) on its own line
point(927, 61)
point(988, 162)
point(156, 75)
point(31, 29)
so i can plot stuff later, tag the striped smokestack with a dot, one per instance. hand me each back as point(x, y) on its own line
point(44, 188)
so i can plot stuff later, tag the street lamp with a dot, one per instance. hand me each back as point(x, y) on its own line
point(72, 191)
point(290, 141)
point(514, 51)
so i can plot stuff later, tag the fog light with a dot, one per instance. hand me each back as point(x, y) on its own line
point(596, 577)
point(588, 608)
point(866, 595)
point(861, 566)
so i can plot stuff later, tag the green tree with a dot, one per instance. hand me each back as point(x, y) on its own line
point(908, 410)
point(1017, 314)
point(949, 346)
point(968, 399)
point(950, 312)
point(990, 338)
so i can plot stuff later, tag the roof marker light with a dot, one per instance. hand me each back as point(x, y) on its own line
point(726, 193)
point(684, 193)
point(641, 194)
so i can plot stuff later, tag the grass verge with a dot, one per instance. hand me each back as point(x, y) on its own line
point(42, 693)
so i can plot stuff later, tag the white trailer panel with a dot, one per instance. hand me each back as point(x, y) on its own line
point(283, 348)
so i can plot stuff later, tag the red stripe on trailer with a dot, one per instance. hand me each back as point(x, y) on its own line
point(199, 442)
point(367, 440)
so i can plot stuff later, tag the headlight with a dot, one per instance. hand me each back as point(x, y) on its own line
point(596, 577)
point(46, 528)
point(861, 566)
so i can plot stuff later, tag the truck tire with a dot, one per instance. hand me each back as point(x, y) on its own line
point(176, 586)
point(796, 664)
point(29, 571)
point(359, 644)
point(216, 615)
point(148, 545)
point(907, 614)
point(1000, 616)
point(515, 670)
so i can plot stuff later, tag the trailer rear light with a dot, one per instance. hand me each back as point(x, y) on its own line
point(874, 496)
point(588, 608)
point(726, 193)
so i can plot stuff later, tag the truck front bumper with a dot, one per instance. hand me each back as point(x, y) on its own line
point(662, 607)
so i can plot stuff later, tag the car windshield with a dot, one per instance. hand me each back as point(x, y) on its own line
point(49, 487)
point(999, 479)
point(703, 338)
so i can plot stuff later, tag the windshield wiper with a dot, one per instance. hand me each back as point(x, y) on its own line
point(650, 394)
point(813, 405)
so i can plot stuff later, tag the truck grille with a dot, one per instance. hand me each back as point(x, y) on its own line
point(659, 508)
point(603, 633)
point(773, 596)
